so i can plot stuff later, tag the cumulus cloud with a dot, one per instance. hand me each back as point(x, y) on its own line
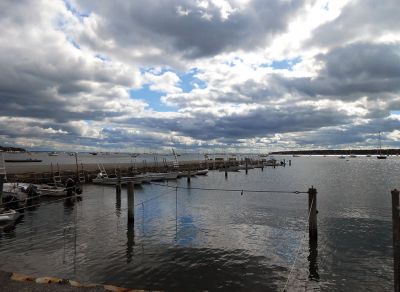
point(191, 29)
point(352, 71)
point(215, 72)
point(360, 21)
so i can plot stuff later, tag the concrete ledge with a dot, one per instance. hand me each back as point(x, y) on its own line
point(24, 283)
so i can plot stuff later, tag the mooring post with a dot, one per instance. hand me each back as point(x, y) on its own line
point(131, 202)
point(290, 162)
point(247, 169)
point(396, 239)
point(1, 189)
point(77, 166)
point(118, 185)
point(312, 209)
point(226, 170)
point(188, 176)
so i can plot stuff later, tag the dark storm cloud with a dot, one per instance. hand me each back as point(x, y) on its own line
point(133, 24)
point(359, 20)
point(351, 135)
point(352, 71)
point(123, 137)
point(259, 122)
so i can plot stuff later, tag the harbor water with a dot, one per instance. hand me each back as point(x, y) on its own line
point(194, 239)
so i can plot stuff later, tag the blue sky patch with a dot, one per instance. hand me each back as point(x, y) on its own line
point(74, 43)
point(78, 14)
point(101, 57)
point(153, 98)
point(189, 81)
point(397, 113)
point(283, 64)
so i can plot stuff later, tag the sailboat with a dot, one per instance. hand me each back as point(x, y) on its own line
point(380, 156)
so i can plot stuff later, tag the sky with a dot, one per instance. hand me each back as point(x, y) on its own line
point(232, 75)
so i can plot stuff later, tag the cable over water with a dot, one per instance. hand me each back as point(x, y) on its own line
point(232, 190)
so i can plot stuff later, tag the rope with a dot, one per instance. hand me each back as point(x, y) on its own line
point(153, 198)
point(231, 190)
point(297, 252)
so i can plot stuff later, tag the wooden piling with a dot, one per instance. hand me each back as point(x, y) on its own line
point(312, 209)
point(247, 169)
point(77, 166)
point(118, 185)
point(188, 176)
point(396, 239)
point(1, 189)
point(290, 162)
point(131, 202)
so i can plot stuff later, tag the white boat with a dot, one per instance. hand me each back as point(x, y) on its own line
point(8, 215)
point(104, 179)
point(16, 195)
point(158, 176)
point(51, 191)
point(53, 154)
point(352, 156)
point(202, 172)
point(143, 177)
point(171, 175)
point(271, 162)
point(342, 157)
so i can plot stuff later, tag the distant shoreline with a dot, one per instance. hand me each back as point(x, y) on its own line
point(339, 152)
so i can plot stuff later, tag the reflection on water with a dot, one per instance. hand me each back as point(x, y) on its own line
point(313, 260)
point(197, 240)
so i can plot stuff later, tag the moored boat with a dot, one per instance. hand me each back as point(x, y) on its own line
point(380, 156)
point(104, 179)
point(7, 215)
point(202, 172)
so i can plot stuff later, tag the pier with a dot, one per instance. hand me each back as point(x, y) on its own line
point(86, 172)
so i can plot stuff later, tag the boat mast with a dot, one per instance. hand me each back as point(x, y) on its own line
point(380, 144)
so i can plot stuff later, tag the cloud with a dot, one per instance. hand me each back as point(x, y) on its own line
point(360, 21)
point(191, 29)
point(353, 71)
point(233, 73)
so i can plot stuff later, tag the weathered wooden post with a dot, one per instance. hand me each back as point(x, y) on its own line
point(188, 176)
point(290, 162)
point(118, 185)
point(312, 209)
point(226, 170)
point(396, 239)
point(131, 202)
point(247, 169)
point(77, 167)
point(1, 189)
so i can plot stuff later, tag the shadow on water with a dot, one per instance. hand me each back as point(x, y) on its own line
point(118, 203)
point(130, 235)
